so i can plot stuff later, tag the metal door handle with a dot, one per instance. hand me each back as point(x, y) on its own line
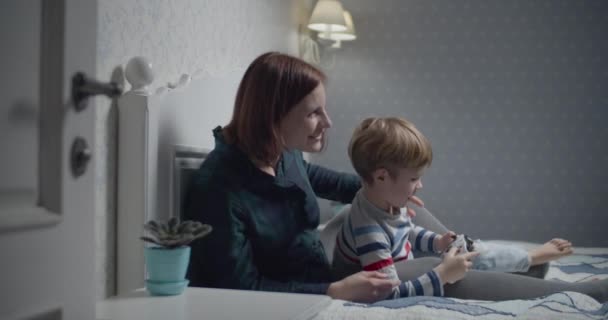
point(84, 87)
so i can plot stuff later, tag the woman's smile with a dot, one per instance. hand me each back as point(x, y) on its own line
point(317, 137)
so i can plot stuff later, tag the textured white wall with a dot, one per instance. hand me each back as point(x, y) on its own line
point(221, 37)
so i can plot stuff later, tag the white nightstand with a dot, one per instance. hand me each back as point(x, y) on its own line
point(212, 304)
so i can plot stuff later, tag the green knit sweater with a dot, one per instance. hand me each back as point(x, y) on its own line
point(264, 228)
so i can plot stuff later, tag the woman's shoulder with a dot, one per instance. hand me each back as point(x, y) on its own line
point(213, 185)
point(218, 166)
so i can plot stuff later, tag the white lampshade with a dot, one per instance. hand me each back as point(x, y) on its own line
point(347, 35)
point(327, 16)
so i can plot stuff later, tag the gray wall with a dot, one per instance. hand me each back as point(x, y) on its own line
point(513, 96)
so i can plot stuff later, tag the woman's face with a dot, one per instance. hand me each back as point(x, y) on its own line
point(304, 125)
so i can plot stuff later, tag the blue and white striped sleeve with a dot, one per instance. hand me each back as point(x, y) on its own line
point(428, 284)
point(423, 239)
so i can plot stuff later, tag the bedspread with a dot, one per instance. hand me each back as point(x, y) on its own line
point(586, 264)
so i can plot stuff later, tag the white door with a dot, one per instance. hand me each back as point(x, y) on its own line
point(46, 212)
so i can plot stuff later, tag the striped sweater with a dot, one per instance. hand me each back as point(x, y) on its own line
point(374, 240)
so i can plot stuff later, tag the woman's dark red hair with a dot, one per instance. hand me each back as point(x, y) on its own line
point(272, 85)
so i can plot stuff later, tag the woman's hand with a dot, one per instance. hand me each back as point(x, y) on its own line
point(454, 266)
point(364, 286)
point(443, 242)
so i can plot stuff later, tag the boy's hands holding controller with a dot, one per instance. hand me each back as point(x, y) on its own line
point(454, 266)
point(443, 242)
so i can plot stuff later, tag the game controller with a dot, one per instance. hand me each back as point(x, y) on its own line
point(463, 242)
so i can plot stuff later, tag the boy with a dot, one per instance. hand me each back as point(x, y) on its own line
point(390, 155)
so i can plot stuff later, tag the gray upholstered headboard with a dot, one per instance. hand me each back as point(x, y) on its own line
point(186, 160)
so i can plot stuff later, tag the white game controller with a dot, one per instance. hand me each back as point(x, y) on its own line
point(464, 243)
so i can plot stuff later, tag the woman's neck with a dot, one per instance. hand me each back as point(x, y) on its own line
point(265, 167)
point(269, 168)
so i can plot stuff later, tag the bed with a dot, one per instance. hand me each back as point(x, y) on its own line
point(165, 134)
point(587, 264)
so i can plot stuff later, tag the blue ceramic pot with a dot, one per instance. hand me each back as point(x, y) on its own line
point(166, 267)
point(166, 288)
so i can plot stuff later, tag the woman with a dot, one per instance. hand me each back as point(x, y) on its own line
point(259, 195)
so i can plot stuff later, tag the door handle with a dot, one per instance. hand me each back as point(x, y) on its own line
point(84, 87)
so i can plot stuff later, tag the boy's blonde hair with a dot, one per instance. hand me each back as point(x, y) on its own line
point(391, 143)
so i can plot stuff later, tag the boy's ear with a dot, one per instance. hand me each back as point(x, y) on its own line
point(380, 174)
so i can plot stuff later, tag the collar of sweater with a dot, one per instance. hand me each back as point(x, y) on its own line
point(373, 211)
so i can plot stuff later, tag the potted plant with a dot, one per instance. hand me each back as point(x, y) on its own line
point(167, 259)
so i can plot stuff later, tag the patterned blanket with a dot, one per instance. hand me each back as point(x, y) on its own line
point(563, 305)
point(586, 264)
point(577, 268)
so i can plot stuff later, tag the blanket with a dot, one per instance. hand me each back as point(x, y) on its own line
point(577, 268)
point(586, 264)
point(563, 305)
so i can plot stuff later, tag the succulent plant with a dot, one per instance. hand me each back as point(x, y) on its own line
point(174, 233)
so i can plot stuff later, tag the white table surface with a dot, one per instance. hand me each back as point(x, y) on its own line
point(205, 303)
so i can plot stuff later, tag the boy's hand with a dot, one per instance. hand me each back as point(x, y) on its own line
point(443, 242)
point(454, 266)
point(415, 200)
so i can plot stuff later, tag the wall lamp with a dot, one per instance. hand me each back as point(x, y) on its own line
point(332, 22)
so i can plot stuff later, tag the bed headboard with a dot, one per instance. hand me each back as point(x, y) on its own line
point(163, 135)
point(186, 161)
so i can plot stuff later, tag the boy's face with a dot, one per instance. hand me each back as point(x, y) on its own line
point(397, 192)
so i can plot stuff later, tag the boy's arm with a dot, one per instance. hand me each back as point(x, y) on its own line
point(424, 240)
point(375, 254)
